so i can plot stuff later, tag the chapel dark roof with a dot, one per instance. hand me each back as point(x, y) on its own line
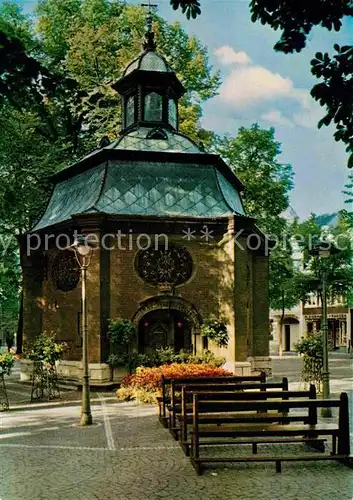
point(148, 60)
point(151, 169)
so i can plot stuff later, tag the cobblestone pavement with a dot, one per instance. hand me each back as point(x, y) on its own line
point(340, 366)
point(127, 455)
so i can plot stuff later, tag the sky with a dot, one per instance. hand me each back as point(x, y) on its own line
point(272, 89)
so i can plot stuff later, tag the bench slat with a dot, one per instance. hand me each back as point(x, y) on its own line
point(269, 430)
point(245, 417)
point(259, 458)
point(219, 406)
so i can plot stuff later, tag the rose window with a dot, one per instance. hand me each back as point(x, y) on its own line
point(161, 266)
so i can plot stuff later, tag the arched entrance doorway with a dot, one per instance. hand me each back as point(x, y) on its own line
point(164, 328)
point(167, 320)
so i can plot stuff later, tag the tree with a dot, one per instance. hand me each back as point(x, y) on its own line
point(253, 156)
point(94, 41)
point(296, 19)
point(283, 292)
point(339, 266)
point(349, 193)
point(9, 287)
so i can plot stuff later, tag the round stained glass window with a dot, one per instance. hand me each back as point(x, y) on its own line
point(65, 271)
point(161, 266)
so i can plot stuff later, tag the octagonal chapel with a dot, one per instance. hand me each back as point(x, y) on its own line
point(176, 246)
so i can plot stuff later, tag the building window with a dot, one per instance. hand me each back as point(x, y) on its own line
point(130, 111)
point(172, 113)
point(170, 266)
point(153, 107)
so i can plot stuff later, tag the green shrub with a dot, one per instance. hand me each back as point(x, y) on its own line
point(121, 334)
point(311, 348)
point(216, 331)
point(44, 349)
point(167, 355)
point(7, 360)
point(164, 355)
point(311, 345)
point(208, 358)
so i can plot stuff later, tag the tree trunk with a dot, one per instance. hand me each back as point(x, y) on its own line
point(20, 327)
point(281, 327)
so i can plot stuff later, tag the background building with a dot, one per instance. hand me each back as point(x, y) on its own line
point(305, 317)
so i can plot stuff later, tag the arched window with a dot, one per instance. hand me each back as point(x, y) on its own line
point(130, 111)
point(153, 107)
point(172, 113)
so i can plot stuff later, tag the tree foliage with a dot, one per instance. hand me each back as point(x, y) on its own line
point(338, 266)
point(348, 191)
point(253, 156)
point(284, 292)
point(297, 19)
point(335, 92)
point(94, 40)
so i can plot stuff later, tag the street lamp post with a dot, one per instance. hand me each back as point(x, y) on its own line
point(83, 252)
point(324, 250)
point(325, 412)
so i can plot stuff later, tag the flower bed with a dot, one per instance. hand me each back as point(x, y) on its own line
point(145, 384)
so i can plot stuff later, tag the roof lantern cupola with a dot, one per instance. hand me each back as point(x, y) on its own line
point(149, 88)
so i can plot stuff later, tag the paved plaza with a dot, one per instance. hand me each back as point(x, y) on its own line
point(127, 455)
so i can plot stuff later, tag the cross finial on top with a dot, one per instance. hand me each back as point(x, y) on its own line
point(149, 43)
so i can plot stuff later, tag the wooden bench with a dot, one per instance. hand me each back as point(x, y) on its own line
point(165, 399)
point(174, 408)
point(185, 418)
point(271, 432)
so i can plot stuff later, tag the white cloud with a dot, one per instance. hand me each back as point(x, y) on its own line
point(252, 90)
point(228, 55)
point(245, 86)
point(275, 117)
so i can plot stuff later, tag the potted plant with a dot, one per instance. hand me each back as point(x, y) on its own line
point(45, 353)
point(121, 334)
point(45, 350)
point(216, 331)
point(7, 361)
point(311, 350)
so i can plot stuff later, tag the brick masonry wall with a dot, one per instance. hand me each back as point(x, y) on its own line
point(61, 311)
point(241, 301)
point(205, 290)
point(260, 345)
point(227, 282)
